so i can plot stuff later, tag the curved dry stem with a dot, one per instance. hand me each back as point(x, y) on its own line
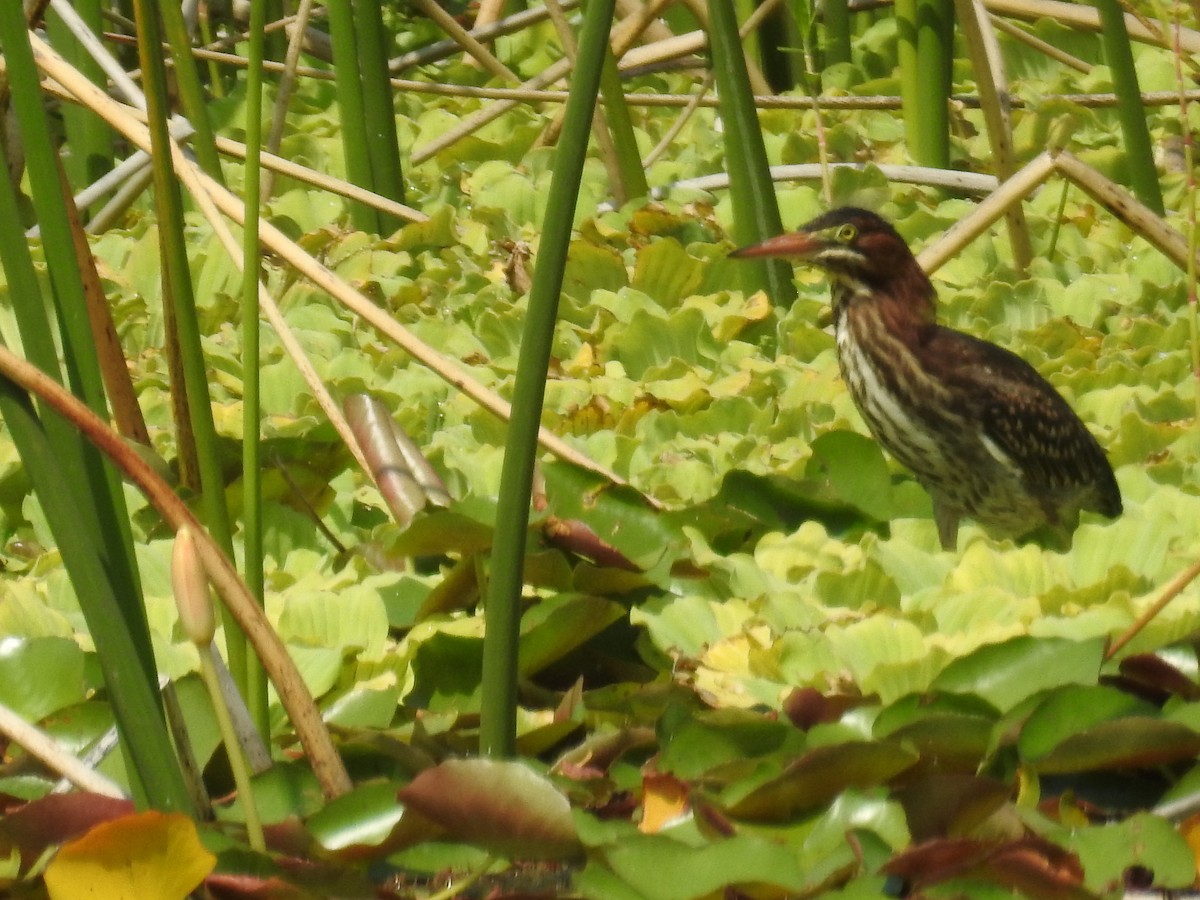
point(138, 163)
point(1172, 590)
point(1112, 196)
point(486, 30)
point(188, 174)
point(295, 697)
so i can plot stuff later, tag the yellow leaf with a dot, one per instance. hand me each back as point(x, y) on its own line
point(138, 857)
point(664, 801)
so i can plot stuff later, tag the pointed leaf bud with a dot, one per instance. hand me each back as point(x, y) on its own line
point(191, 590)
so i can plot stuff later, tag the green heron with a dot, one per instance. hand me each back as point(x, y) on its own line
point(985, 434)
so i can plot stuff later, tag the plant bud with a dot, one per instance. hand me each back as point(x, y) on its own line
point(191, 590)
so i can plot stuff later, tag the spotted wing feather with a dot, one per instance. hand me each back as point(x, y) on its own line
point(1026, 418)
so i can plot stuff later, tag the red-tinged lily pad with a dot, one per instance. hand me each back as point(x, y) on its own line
point(503, 806)
point(56, 818)
point(806, 707)
point(1152, 675)
point(597, 752)
point(286, 878)
point(224, 886)
point(1037, 868)
point(619, 517)
point(817, 777)
point(149, 854)
point(1134, 742)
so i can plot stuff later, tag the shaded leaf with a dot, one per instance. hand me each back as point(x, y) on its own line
point(949, 805)
point(441, 532)
point(447, 670)
point(1153, 673)
point(819, 776)
point(666, 272)
point(56, 818)
point(558, 625)
point(855, 471)
point(368, 822)
point(503, 806)
point(1005, 674)
point(1126, 743)
point(695, 747)
point(40, 675)
point(660, 868)
point(620, 517)
point(1074, 709)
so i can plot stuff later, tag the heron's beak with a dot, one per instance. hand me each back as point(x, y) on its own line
point(794, 244)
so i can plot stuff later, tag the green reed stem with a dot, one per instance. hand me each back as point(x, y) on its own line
point(79, 493)
point(837, 31)
point(620, 126)
point(255, 678)
point(1117, 52)
point(181, 305)
point(355, 141)
point(926, 51)
point(497, 734)
point(88, 136)
point(755, 211)
point(191, 94)
point(383, 146)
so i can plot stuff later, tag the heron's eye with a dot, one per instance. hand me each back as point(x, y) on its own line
point(846, 233)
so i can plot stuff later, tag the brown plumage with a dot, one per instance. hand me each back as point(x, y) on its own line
point(986, 435)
